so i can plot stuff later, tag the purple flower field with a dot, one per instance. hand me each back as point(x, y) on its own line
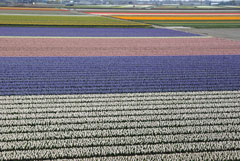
point(91, 32)
point(91, 75)
point(118, 94)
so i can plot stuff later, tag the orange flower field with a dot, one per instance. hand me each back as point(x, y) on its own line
point(178, 18)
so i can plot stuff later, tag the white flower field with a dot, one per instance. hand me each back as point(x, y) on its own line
point(137, 126)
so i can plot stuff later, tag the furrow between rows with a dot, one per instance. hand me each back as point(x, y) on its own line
point(75, 107)
point(107, 106)
point(118, 99)
point(120, 141)
point(117, 125)
point(196, 95)
point(195, 156)
point(88, 152)
point(185, 114)
point(101, 133)
point(129, 117)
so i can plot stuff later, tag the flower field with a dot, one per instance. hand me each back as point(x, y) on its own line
point(37, 11)
point(51, 109)
point(191, 19)
point(179, 18)
point(93, 126)
point(32, 9)
point(70, 21)
point(117, 93)
point(197, 20)
point(130, 46)
point(92, 32)
point(106, 75)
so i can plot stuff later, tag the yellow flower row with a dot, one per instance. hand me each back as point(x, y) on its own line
point(177, 18)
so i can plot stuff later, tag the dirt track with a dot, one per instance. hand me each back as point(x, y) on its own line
point(229, 33)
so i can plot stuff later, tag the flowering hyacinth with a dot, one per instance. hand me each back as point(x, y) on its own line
point(91, 32)
point(88, 75)
point(123, 108)
point(202, 124)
